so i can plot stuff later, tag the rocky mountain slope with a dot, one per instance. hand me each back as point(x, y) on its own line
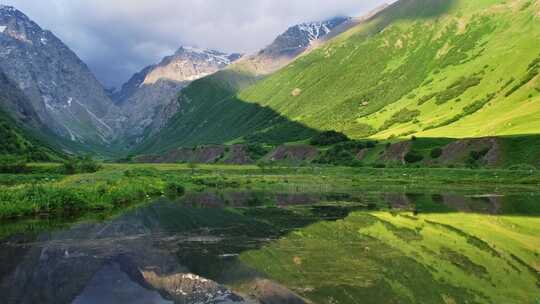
point(21, 132)
point(424, 68)
point(147, 99)
point(290, 44)
point(208, 97)
point(63, 92)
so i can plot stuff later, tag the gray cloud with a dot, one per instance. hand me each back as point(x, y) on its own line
point(119, 37)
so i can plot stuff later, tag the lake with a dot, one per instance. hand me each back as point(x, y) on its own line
point(358, 246)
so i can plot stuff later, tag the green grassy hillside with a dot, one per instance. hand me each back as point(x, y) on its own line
point(451, 68)
point(21, 132)
point(211, 113)
point(19, 142)
point(437, 69)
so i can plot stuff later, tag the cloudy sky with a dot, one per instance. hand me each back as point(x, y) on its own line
point(119, 37)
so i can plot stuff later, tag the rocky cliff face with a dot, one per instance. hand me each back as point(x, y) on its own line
point(148, 99)
point(15, 103)
point(289, 45)
point(63, 92)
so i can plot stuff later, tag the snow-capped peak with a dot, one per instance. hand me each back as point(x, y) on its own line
point(315, 30)
point(318, 29)
point(207, 55)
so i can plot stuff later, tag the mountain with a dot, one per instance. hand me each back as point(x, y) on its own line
point(290, 44)
point(62, 91)
point(418, 67)
point(147, 99)
point(199, 106)
point(21, 130)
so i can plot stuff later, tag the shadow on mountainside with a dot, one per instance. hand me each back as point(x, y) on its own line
point(211, 113)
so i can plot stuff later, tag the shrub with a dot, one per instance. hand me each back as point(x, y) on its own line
point(403, 116)
point(328, 138)
point(457, 89)
point(522, 167)
point(83, 164)
point(425, 99)
point(468, 110)
point(436, 153)
point(256, 151)
point(344, 154)
point(477, 155)
point(174, 190)
point(413, 157)
point(532, 71)
point(142, 172)
point(477, 105)
point(12, 164)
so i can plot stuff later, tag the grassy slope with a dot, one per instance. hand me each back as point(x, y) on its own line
point(373, 80)
point(366, 76)
point(15, 140)
point(211, 113)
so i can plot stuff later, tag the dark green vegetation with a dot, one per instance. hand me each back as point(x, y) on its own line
point(328, 138)
point(432, 69)
point(489, 153)
point(45, 189)
point(428, 69)
point(212, 113)
point(329, 234)
point(15, 140)
point(403, 116)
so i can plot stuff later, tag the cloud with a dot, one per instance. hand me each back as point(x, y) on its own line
point(119, 37)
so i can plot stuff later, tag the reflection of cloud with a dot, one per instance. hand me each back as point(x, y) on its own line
point(117, 38)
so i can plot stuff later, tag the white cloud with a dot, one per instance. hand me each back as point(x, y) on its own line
point(118, 37)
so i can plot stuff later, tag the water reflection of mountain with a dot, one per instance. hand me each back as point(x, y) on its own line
point(188, 251)
point(147, 255)
point(132, 257)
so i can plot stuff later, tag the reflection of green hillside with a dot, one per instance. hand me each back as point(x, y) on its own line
point(397, 258)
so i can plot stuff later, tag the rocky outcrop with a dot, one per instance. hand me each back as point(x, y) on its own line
point(14, 102)
point(459, 150)
point(63, 92)
point(235, 154)
point(289, 45)
point(296, 153)
point(201, 155)
point(148, 99)
point(396, 153)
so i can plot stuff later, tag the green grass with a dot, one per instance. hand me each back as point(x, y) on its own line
point(433, 69)
point(18, 141)
point(121, 185)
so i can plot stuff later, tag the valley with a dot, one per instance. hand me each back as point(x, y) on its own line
point(272, 235)
point(390, 157)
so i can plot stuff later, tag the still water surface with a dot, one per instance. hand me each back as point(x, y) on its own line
point(241, 247)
